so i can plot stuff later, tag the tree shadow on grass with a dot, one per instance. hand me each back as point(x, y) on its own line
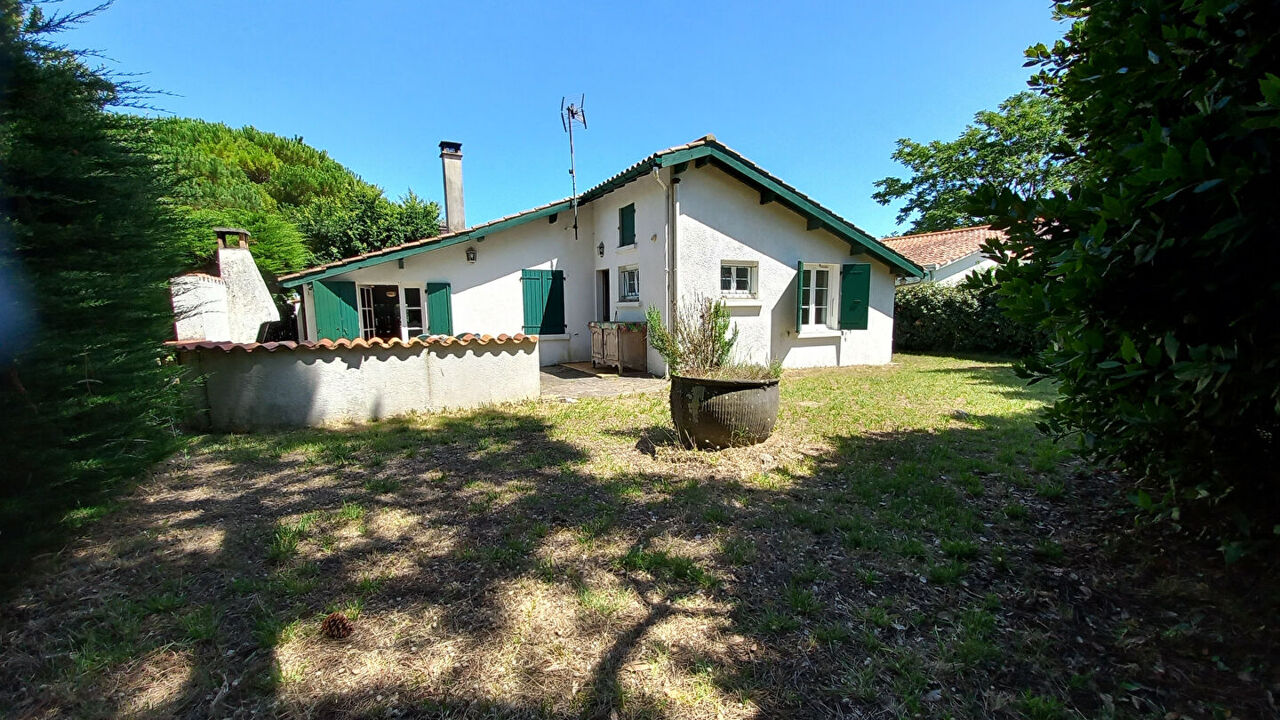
point(494, 569)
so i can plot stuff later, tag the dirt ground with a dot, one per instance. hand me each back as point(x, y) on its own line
point(907, 544)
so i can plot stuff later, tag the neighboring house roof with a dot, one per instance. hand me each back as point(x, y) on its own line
point(699, 152)
point(936, 249)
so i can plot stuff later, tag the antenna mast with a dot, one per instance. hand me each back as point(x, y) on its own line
point(570, 114)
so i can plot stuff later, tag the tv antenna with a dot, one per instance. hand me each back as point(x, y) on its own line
point(570, 114)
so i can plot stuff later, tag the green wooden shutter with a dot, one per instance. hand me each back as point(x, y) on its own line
point(336, 313)
point(799, 295)
point(534, 301)
point(439, 309)
point(543, 301)
point(553, 312)
point(627, 225)
point(855, 295)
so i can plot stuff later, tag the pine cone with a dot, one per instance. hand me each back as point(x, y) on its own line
point(336, 625)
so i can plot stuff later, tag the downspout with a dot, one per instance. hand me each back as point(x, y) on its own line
point(669, 252)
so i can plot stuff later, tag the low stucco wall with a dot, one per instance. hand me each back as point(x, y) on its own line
point(254, 386)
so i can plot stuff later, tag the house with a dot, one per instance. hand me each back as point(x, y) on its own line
point(231, 304)
point(947, 256)
point(803, 285)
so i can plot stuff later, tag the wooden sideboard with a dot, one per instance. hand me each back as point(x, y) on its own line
point(620, 344)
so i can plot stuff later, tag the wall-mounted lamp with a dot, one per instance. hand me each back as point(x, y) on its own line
point(471, 254)
point(600, 249)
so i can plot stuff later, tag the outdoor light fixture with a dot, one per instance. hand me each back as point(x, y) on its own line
point(471, 254)
point(600, 249)
point(391, 293)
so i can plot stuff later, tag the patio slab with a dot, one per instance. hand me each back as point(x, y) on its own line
point(570, 383)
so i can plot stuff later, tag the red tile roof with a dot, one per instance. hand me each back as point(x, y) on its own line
point(359, 344)
point(943, 247)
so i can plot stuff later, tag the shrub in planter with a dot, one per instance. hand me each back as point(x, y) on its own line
point(715, 402)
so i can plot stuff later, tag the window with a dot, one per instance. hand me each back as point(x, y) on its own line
point(412, 305)
point(815, 296)
point(738, 279)
point(627, 225)
point(629, 284)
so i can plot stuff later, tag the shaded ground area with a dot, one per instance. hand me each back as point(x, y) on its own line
point(560, 381)
point(907, 544)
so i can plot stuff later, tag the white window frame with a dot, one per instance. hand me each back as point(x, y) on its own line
point(623, 295)
point(421, 307)
point(365, 309)
point(753, 271)
point(832, 304)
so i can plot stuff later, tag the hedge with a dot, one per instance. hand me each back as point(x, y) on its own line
point(951, 318)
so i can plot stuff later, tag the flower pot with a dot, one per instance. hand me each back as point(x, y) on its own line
point(723, 413)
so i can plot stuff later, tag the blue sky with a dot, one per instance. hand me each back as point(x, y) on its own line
point(816, 93)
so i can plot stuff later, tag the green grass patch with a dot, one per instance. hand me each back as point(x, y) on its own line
point(667, 566)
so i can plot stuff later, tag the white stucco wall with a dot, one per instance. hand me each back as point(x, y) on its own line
point(249, 302)
point(722, 219)
point(321, 386)
point(199, 307)
point(956, 272)
point(648, 254)
point(487, 294)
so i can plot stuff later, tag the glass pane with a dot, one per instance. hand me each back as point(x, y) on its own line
point(820, 279)
point(413, 317)
point(726, 283)
point(804, 297)
point(819, 316)
point(412, 297)
point(726, 272)
point(820, 297)
point(744, 278)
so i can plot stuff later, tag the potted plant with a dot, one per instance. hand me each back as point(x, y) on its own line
point(715, 402)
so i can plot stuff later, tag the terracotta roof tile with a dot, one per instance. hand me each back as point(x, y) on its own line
point(360, 344)
point(943, 247)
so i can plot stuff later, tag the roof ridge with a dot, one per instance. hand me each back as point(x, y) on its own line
point(887, 238)
point(838, 224)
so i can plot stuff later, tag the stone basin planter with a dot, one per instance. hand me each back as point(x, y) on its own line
point(723, 413)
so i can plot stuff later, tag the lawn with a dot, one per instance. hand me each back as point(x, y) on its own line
point(907, 543)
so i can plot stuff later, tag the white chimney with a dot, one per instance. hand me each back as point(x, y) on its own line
point(455, 216)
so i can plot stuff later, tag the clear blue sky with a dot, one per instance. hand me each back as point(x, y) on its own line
point(816, 93)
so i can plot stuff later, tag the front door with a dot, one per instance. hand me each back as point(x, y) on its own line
point(602, 292)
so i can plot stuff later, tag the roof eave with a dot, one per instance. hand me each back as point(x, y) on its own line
point(476, 233)
point(855, 236)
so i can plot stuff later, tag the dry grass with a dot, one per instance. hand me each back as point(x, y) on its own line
point(905, 544)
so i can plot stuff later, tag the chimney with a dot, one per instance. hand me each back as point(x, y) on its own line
point(224, 235)
point(455, 217)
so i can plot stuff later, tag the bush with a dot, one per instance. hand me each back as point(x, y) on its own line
point(1155, 276)
point(701, 343)
point(85, 253)
point(951, 318)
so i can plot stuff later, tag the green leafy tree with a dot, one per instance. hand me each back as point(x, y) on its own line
point(85, 252)
point(1019, 147)
point(300, 205)
point(1155, 275)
